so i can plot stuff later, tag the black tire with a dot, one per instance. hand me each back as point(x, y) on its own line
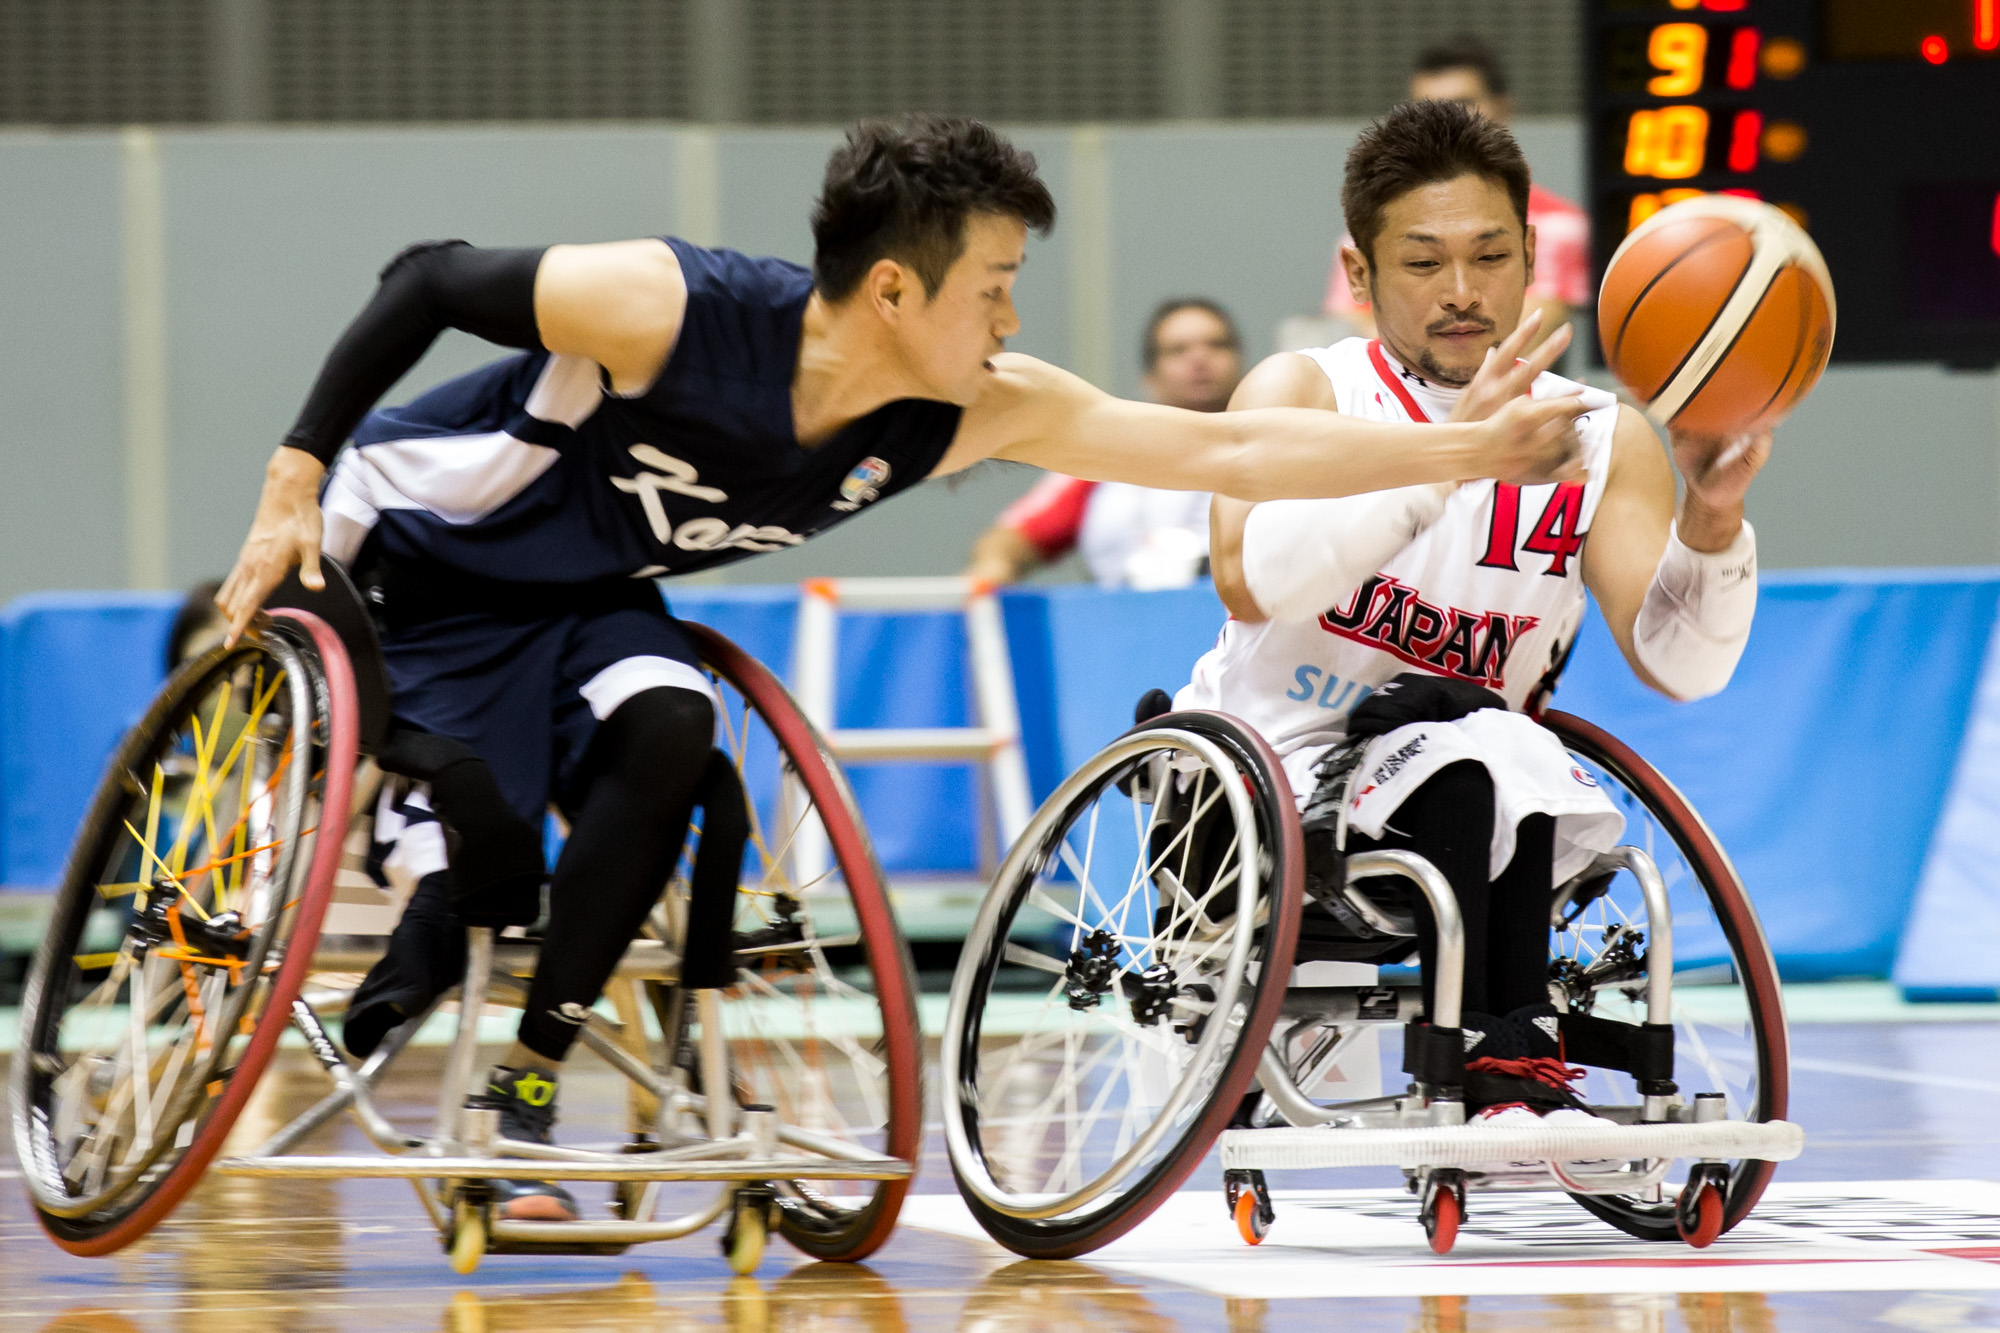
point(1282, 873)
point(238, 984)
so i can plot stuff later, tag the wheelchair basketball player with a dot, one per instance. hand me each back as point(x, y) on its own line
point(1391, 645)
point(675, 408)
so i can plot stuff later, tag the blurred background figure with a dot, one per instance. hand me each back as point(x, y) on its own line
point(1129, 536)
point(1465, 69)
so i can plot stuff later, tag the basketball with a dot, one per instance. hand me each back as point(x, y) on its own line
point(1718, 313)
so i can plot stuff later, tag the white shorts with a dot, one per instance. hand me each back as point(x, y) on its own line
point(1532, 774)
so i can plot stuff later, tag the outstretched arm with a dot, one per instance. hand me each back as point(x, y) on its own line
point(1032, 412)
point(1291, 559)
point(618, 304)
point(1677, 586)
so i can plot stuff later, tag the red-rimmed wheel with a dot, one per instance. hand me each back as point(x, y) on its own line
point(1443, 1210)
point(1729, 1020)
point(184, 925)
point(822, 1022)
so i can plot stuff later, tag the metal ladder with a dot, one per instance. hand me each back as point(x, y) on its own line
point(994, 743)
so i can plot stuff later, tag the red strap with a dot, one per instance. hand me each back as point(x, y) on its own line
point(1395, 384)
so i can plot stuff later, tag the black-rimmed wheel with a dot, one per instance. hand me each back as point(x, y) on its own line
point(1120, 983)
point(198, 859)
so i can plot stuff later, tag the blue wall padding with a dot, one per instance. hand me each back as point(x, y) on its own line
point(76, 669)
point(1951, 946)
point(1823, 766)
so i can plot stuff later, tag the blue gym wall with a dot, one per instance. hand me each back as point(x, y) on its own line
point(1823, 768)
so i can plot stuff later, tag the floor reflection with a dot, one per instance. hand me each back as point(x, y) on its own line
point(326, 1257)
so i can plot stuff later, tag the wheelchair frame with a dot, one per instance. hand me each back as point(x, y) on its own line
point(748, 1150)
point(1425, 1131)
point(742, 1148)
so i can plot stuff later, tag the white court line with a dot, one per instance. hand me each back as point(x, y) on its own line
point(1814, 1236)
point(1895, 1075)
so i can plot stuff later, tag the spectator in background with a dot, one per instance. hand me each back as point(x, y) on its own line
point(1465, 70)
point(1130, 536)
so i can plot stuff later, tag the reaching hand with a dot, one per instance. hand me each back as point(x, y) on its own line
point(1533, 441)
point(285, 533)
point(1505, 374)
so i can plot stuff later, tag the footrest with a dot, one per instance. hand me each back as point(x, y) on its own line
point(1483, 1145)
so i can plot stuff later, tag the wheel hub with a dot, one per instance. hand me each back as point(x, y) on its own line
point(1093, 964)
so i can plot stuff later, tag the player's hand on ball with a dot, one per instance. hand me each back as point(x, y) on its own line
point(1718, 470)
point(1532, 441)
point(285, 533)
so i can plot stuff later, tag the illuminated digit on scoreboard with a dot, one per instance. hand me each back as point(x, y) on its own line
point(1670, 143)
point(1681, 49)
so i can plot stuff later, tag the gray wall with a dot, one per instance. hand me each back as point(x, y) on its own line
point(268, 240)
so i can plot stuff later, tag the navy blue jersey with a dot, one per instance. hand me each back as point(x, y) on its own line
point(532, 470)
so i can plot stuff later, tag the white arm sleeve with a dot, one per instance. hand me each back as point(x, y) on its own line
point(1302, 556)
point(1696, 616)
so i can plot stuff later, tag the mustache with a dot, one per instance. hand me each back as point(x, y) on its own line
point(1439, 326)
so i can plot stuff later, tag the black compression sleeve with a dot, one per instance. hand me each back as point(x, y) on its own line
point(428, 288)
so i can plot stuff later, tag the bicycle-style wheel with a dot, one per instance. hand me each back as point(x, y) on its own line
point(136, 1057)
point(1729, 1019)
point(822, 1019)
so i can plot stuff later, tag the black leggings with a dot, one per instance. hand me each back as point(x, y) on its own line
point(628, 820)
point(1449, 821)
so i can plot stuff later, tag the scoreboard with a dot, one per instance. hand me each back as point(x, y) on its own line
point(1874, 123)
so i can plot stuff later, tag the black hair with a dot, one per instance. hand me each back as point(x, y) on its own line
point(197, 609)
point(902, 189)
point(1422, 143)
point(1149, 347)
point(1465, 52)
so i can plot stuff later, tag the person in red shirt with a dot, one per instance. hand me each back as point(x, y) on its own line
point(1465, 70)
point(1130, 536)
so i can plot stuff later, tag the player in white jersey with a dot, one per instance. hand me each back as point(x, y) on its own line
point(1390, 645)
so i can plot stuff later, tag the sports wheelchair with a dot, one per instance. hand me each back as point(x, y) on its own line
point(783, 1094)
point(1138, 985)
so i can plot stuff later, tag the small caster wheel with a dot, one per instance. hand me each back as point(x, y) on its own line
point(468, 1236)
point(1698, 1211)
point(749, 1228)
point(1443, 1209)
point(1249, 1203)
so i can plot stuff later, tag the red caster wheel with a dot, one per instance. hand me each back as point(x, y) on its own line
point(1443, 1209)
point(1249, 1204)
point(1698, 1212)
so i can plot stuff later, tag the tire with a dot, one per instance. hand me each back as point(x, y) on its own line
point(1721, 918)
point(246, 980)
point(1190, 1070)
point(852, 953)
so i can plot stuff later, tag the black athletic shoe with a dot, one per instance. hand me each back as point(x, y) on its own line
point(526, 1101)
point(1518, 1059)
point(1529, 1033)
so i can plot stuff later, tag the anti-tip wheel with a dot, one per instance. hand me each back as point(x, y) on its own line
point(749, 1228)
point(1698, 1212)
point(1251, 1223)
point(468, 1238)
point(1443, 1210)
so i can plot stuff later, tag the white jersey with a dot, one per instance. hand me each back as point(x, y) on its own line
point(1492, 592)
point(1138, 537)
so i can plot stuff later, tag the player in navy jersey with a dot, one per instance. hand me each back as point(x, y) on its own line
point(675, 408)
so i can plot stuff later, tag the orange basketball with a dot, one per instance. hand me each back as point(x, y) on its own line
point(1717, 312)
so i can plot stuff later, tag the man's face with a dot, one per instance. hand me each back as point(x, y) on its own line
point(1194, 365)
point(1460, 85)
point(949, 339)
point(1450, 273)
